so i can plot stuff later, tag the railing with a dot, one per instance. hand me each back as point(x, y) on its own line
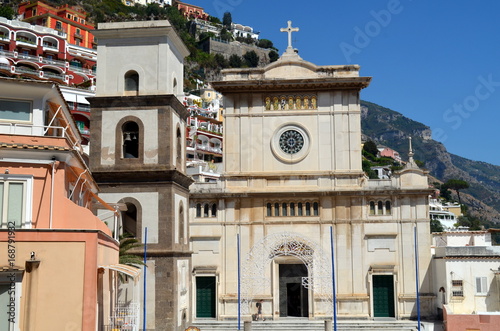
point(83, 108)
point(28, 26)
point(209, 148)
point(50, 46)
point(55, 62)
point(203, 130)
point(26, 42)
point(25, 70)
point(7, 54)
point(28, 57)
point(53, 75)
point(35, 59)
point(79, 69)
point(125, 317)
point(39, 130)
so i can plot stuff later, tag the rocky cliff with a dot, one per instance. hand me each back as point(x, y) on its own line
point(390, 128)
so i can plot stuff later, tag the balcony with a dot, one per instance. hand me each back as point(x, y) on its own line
point(215, 133)
point(26, 70)
point(28, 57)
point(41, 131)
point(26, 42)
point(6, 54)
point(206, 148)
point(58, 63)
point(50, 46)
point(47, 74)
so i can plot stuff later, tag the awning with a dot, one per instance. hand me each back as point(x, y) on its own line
point(123, 268)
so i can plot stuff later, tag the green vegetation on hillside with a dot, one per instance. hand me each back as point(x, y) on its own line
point(390, 128)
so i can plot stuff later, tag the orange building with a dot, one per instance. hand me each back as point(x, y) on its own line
point(70, 20)
point(58, 261)
point(192, 11)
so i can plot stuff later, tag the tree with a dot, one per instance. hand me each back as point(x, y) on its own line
point(251, 59)
point(371, 148)
point(214, 19)
point(436, 226)
point(227, 20)
point(273, 56)
point(265, 43)
point(366, 165)
point(457, 185)
point(235, 61)
point(473, 223)
point(128, 242)
point(225, 35)
point(221, 61)
point(7, 12)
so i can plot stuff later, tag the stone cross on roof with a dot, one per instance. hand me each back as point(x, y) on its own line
point(289, 29)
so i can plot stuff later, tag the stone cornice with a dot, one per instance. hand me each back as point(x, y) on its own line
point(309, 192)
point(152, 177)
point(145, 101)
point(288, 85)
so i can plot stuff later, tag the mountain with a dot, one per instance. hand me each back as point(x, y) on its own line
point(389, 128)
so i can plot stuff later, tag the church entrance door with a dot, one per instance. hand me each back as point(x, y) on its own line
point(383, 296)
point(205, 297)
point(293, 297)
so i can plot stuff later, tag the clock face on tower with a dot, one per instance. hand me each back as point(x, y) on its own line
point(291, 141)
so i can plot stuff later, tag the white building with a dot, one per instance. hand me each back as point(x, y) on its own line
point(441, 213)
point(467, 275)
point(244, 31)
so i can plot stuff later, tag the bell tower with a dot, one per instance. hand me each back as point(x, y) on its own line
point(137, 156)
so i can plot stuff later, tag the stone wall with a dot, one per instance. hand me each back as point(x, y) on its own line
point(227, 49)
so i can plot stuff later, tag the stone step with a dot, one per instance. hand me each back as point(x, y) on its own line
point(306, 325)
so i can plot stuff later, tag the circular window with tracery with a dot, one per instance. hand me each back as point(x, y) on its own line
point(290, 143)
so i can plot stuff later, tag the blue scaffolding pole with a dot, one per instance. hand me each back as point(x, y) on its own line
point(333, 281)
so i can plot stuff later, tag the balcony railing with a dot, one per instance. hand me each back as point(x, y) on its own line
point(40, 131)
point(54, 62)
point(26, 42)
point(24, 70)
point(46, 45)
point(6, 54)
point(28, 57)
point(203, 130)
point(202, 147)
point(47, 74)
point(80, 107)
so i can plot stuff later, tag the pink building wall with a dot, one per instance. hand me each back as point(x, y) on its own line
point(469, 322)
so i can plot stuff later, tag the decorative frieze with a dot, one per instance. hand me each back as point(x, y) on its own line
point(291, 102)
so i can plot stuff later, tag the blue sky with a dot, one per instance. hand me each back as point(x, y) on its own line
point(436, 62)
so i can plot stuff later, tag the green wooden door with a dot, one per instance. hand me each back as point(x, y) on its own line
point(205, 297)
point(383, 296)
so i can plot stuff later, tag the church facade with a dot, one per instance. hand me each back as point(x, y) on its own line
point(292, 177)
point(292, 189)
